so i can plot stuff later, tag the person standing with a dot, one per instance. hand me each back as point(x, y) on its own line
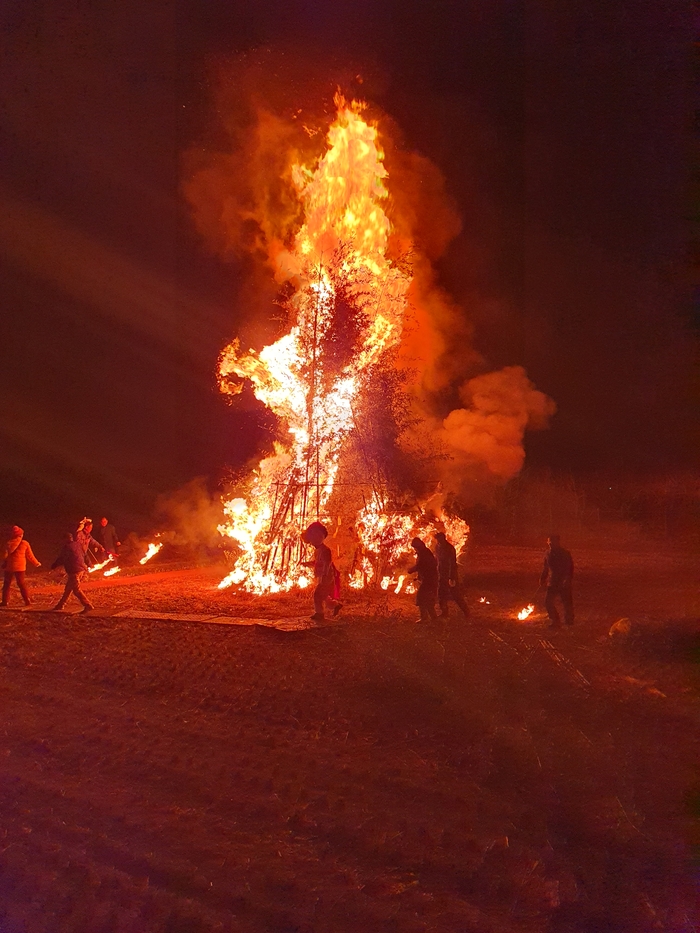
point(90, 546)
point(327, 578)
point(72, 560)
point(427, 570)
point(557, 574)
point(16, 554)
point(107, 536)
point(448, 580)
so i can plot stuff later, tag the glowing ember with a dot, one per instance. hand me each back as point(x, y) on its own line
point(100, 566)
point(527, 611)
point(315, 383)
point(151, 552)
point(484, 600)
point(111, 571)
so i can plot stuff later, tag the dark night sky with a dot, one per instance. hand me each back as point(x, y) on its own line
point(562, 130)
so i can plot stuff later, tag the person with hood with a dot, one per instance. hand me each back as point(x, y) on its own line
point(72, 559)
point(427, 569)
point(327, 577)
point(448, 581)
point(16, 554)
point(557, 573)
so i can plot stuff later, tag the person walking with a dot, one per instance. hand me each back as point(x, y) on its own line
point(72, 559)
point(327, 577)
point(15, 556)
point(427, 570)
point(557, 574)
point(448, 579)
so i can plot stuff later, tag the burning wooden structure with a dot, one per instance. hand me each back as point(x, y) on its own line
point(331, 382)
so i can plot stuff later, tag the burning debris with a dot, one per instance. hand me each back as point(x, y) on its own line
point(526, 612)
point(102, 564)
point(153, 549)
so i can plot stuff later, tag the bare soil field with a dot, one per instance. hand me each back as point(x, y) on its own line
point(371, 774)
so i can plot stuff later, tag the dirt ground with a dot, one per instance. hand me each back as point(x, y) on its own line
point(161, 776)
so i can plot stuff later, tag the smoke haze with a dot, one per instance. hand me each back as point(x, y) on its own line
point(245, 205)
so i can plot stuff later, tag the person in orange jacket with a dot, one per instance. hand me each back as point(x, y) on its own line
point(15, 556)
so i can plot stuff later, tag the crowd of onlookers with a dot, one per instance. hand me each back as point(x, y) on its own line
point(80, 550)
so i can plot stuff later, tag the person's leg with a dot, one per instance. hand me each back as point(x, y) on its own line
point(319, 599)
point(568, 603)
point(19, 576)
point(81, 595)
point(550, 604)
point(443, 598)
point(422, 603)
point(459, 599)
point(6, 581)
point(431, 598)
point(67, 590)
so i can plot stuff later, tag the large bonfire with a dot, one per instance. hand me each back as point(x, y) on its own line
point(325, 379)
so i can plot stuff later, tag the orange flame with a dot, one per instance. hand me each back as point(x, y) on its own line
point(526, 612)
point(342, 244)
point(100, 566)
point(151, 552)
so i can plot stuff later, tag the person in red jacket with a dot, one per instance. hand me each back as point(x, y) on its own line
point(15, 556)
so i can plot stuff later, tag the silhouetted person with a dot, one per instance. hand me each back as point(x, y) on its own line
point(107, 536)
point(72, 560)
point(448, 578)
point(90, 546)
point(15, 556)
point(327, 589)
point(557, 573)
point(426, 568)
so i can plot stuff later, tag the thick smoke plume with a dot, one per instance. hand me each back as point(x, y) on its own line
point(244, 201)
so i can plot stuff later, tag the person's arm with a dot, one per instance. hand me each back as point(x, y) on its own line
point(58, 562)
point(545, 573)
point(30, 556)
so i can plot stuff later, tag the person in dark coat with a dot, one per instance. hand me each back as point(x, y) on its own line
point(324, 571)
point(72, 559)
point(427, 570)
point(448, 580)
point(557, 574)
point(107, 536)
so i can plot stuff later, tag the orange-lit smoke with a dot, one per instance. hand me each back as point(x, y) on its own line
point(245, 199)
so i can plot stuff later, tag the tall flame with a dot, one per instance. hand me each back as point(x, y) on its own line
point(339, 253)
